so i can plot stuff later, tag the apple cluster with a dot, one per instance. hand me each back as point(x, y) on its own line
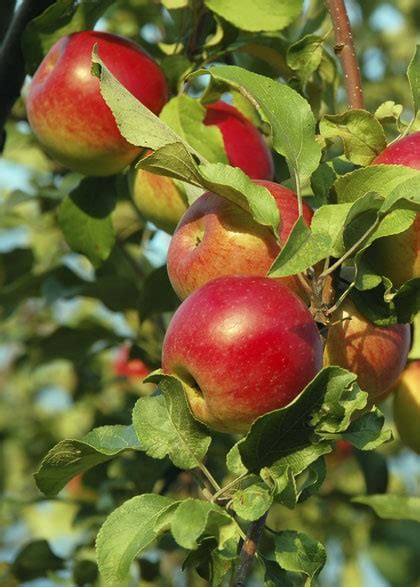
point(242, 344)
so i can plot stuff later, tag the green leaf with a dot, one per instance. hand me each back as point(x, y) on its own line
point(195, 519)
point(366, 432)
point(304, 56)
point(300, 553)
point(71, 457)
point(375, 470)
point(185, 116)
point(361, 133)
point(325, 405)
point(156, 294)
point(302, 249)
point(274, 575)
point(392, 507)
point(252, 502)
point(413, 74)
point(34, 560)
point(165, 426)
point(264, 15)
point(126, 532)
point(85, 219)
point(389, 111)
point(284, 109)
point(62, 18)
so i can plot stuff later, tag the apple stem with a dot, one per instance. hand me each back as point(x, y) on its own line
point(12, 63)
point(248, 551)
point(344, 49)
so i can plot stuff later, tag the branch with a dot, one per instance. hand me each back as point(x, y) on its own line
point(344, 48)
point(12, 63)
point(249, 548)
point(6, 12)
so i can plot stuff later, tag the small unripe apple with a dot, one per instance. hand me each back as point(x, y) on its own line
point(407, 406)
point(398, 256)
point(376, 354)
point(161, 201)
point(242, 346)
point(216, 237)
point(67, 111)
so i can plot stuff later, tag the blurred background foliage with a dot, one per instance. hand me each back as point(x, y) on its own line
point(64, 324)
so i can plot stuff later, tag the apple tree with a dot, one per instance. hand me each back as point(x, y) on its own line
point(210, 292)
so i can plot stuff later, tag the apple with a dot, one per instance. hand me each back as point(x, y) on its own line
point(67, 112)
point(162, 201)
point(242, 346)
point(216, 237)
point(376, 354)
point(126, 367)
point(407, 406)
point(398, 256)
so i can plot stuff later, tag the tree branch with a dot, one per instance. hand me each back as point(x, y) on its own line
point(7, 8)
point(12, 64)
point(249, 548)
point(344, 48)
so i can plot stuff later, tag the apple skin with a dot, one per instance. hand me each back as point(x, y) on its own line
point(67, 112)
point(407, 406)
point(126, 367)
point(160, 200)
point(242, 346)
point(398, 256)
point(216, 237)
point(376, 354)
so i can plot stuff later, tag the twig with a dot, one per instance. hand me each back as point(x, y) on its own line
point(248, 551)
point(344, 49)
point(12, 64)
point(7, 8)
point(228, 486)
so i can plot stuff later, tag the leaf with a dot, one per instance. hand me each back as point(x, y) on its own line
point(264, 15)
point(375, 470)
point(62, 18)
point(413, 74)
point(85, 219)
point(299, 553)
point(165, 426)
point(126, 532)
point(185, 116)
point(326, 404)
point(389, 111)
point(68, 458)
point(34, 560)
point(252, 502)
point(392, 507)
point(365, 432)
point(194, 519)
point(303, 249)
point(304, 56)
point(284, 109)
point(156, 294)
point(361, 133)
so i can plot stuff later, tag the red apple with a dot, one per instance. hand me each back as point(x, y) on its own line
point(66, 109)
point(242, 346)
point(398, 256)
point(161, 201)
point(376, 354)
point(126, 367)
point(216, 237)
point(407, 406)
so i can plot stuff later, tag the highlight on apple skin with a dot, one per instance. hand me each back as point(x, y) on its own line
point(242, 346)
point(376, 354)
point(407, 406)
point(216, 237)
point(160, 200)
point(398, 256)
point(67, 111)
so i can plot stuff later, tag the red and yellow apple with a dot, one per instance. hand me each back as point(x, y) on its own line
point(126, 367)
point(163, 202)
point(407, 406)
point(398, 256)
point(376, 354)
point(216, 237)
point(242, 346)
point(67, 111)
